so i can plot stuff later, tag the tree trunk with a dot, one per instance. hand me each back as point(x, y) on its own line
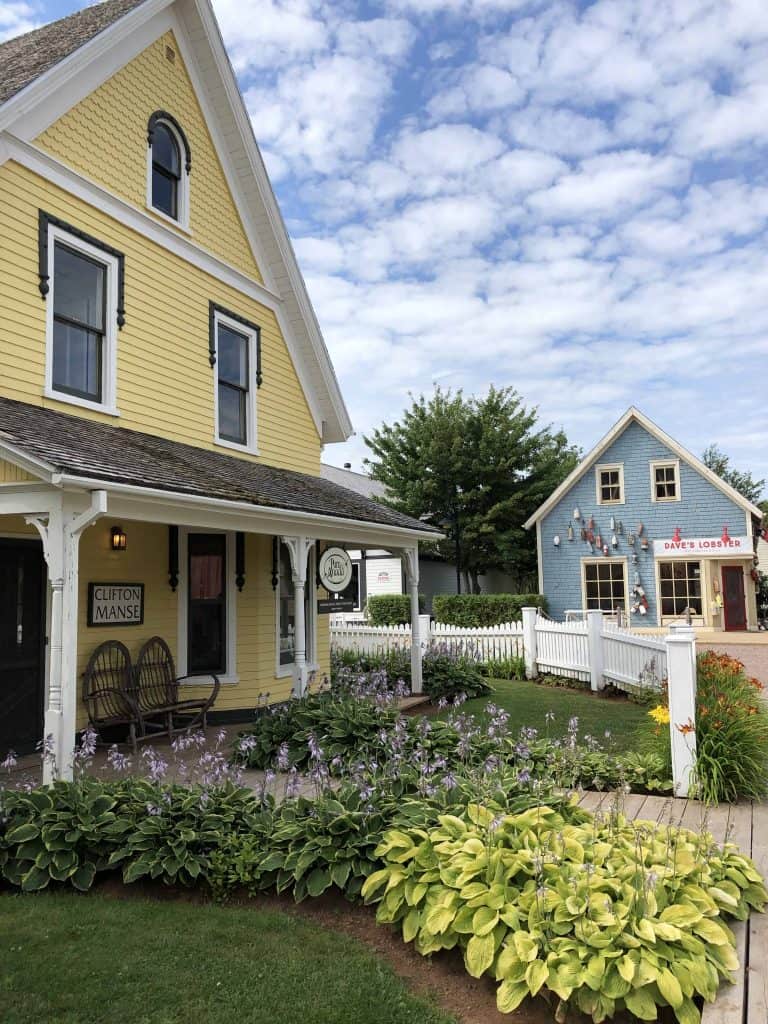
point(476, 588)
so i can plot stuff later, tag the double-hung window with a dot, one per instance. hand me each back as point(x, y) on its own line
point(166, 171)
point(83, 285)
point(609, 480)
point(169, 162)
point(665, 481)
point(235, 353)
point(605, 584)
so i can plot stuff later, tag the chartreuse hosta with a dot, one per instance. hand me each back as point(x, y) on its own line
point(605, 916)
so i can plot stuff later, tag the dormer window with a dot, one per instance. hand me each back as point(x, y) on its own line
point(168, 166)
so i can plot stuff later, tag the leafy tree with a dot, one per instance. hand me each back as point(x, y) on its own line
point(744, 483)
point(478, 467)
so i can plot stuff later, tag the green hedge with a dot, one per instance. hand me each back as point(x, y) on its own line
point(472, 610)
point(391, 609)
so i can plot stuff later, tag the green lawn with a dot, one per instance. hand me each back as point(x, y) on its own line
point(92, 960)
point(528, 704)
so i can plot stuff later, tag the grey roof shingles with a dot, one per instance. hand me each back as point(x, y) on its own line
point(88, 449)
point(26, 57)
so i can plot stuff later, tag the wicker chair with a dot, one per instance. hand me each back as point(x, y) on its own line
point(107, 686)
point(156, 693)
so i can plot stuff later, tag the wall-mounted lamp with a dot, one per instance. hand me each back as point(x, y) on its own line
point(118, 538)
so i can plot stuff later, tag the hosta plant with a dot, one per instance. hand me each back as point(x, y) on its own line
point(605, 916)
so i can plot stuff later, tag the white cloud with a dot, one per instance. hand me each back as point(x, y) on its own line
point(16, 18)
point(605, 185)
point(560, 131)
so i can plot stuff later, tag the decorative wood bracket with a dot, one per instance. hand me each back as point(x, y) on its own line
point(213, 309)
point(163, 115)
point(240, 560)
point(173, 557)
point(43, 221)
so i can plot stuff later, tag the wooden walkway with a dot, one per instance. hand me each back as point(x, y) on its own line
point(746, 825)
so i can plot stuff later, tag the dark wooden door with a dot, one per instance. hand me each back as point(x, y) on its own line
point(733, 597)
point(22, 617)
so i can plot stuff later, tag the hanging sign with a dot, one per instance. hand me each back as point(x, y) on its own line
point(698, 546)
point(335, 570)
point(115, 604)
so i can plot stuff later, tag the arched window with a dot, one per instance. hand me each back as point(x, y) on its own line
point(167, 183)
point(166, 171)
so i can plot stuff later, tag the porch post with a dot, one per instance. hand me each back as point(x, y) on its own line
point(299, 549)
point(60, 532)
point(681, 687)
point(410, 558)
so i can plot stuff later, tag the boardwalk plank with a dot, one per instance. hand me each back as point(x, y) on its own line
point(757, 972)
point(730, 1005)
point(633, 806)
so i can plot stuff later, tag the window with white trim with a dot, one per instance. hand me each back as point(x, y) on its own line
point(605, 584)
point(82, 320)
point(609, 481)
point(665, 481)
point(235, 353)
point(168, 168)
point(680, 587)
point(286, 611)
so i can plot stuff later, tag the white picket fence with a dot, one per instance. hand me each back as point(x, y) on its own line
point(485, 643)
point(627, 660)
point(633, 662)
point(369, 639)
point(488, 643)
point(562, 648)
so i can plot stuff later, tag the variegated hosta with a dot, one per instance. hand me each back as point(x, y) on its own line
point(608, 915)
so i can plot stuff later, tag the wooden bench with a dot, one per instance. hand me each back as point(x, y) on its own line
point(145, 696)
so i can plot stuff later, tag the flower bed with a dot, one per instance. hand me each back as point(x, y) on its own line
point(731, 732)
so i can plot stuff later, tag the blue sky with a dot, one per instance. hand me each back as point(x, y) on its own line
point(567, 197)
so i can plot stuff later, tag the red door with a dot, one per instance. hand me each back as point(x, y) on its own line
point(733, 597)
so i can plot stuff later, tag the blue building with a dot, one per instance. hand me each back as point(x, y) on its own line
point(643, 528)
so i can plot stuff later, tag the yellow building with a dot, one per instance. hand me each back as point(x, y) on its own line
point(165, 390)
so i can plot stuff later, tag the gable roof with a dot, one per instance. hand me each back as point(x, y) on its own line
point(26, 57)
point(50, 442)
point(42, 63)
point(633, 415)
point(359, 482)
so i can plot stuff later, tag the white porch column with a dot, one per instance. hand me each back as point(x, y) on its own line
point(60, 532)
point(681, 685)
point(299, 549)
point(410, 557)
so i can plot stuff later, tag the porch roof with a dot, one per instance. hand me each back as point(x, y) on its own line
point(67, 444)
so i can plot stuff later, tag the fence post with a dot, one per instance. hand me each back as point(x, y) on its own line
point(681, 683)
point(529, 642)
point(595, 648)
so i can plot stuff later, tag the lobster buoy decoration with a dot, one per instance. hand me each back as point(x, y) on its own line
point(605, 549)
point(640, 603)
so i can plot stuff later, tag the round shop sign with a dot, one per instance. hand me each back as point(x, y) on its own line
point(335, 570)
